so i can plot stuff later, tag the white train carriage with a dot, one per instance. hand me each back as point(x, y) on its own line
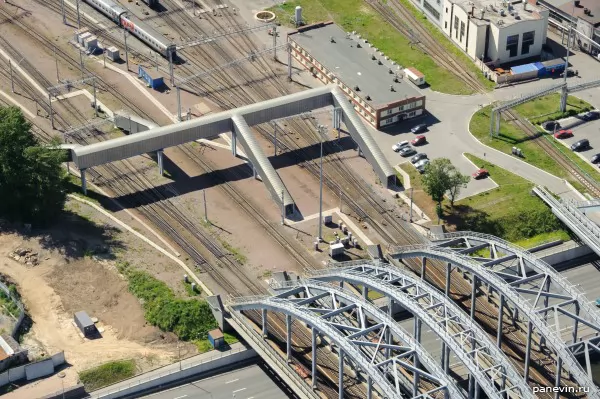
point(109, 8)
point(148, 35)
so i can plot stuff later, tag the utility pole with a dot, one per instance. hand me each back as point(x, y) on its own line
point(56, 62)
point(12, 82)
point(104, 56)
point(282, 210)
point(78, 17)
point(51, 112)
point(205, 211)
point(411, 204)
point(62, 6)
point(321, 130)
point(569, 43)
point(341, 200)
point(126, 55)
point(81, 62)
point(178, 104)
point(95, 101)
point(274, 31)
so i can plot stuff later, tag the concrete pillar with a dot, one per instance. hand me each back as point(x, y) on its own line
point(563, 98)
point(369, 387)
point(391, 307)
point(288, 320)
point(264, 323)
point(365, 292)
point(314, 358)
point(159, 159)
point(423, 268)
point(500, 316)
point(528, 351)
point(471, 386)
point(83, 182)
point(289, 62)
point(234, 144)
point(341, 374)
point(473, 297)
point(447, 360)
point(416, 378)
point(576, 323)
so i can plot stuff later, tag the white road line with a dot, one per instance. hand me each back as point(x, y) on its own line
point(229, 382)
point(251, 397)
point(180, 397)
point(238, 390)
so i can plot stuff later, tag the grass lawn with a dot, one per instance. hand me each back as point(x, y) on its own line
point(355, 15)
point(107, 374)
point(547, 108)
point(510, 136)
point(508, 211)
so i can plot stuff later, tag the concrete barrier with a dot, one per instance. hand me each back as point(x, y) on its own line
point(32, 371)
point(76, 392)
point(565, 255)
point(138, 384)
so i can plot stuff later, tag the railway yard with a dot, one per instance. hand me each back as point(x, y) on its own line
point(211, 217)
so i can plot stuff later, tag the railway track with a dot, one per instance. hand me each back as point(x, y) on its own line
point(541, 139)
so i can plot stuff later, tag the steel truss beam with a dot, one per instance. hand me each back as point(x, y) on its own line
point(507, 294)
point(344, 346)
point(488, 366)
point(369, 326)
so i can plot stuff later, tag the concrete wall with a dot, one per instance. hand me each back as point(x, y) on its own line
point(76, 392)
point(566, 255)
point(454, 31)
point(476, 40)
point(139, 384)
point(39, 369)
point(33, 370)
point(497, 45)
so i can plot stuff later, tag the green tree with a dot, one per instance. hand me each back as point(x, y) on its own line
point(441, 177)
point(32, 180)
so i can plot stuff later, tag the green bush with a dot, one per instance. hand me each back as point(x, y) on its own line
point(189, 319)
point(107, 374)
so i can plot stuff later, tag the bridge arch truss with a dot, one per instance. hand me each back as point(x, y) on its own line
point(489, 369)
point(526, 290)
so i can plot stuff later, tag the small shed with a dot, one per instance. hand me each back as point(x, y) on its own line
point(216, 338)
point(85, 324)
point(90, 42)
point(113, 53)
point(83, 37)
point(415, 76)
point(80, 32)
point(152, 79)
point(525, 72)
point(554, 66)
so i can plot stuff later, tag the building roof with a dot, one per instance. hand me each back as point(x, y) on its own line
point(592, 5)
point(353, 65)
point(515, 11)
point(216, 333)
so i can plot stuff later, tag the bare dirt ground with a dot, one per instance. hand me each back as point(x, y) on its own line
point(77, 272)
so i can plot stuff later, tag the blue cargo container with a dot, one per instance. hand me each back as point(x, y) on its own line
point(152, 80)
point(524, 72)
point(554, 66)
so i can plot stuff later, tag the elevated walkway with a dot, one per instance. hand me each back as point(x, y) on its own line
point(239, 121)
point(571, 215)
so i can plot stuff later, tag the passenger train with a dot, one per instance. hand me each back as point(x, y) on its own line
point(138, 28)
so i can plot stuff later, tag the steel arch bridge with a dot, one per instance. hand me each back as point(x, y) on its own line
point(488, 366)
point(394, 363)
point(528, 285)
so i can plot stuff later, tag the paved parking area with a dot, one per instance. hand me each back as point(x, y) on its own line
point(590, 131)
point(441, 143)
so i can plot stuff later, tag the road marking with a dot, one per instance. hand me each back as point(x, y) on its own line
point(251, 397)
point(180, 397)
point(229, 382)
point(238, 390)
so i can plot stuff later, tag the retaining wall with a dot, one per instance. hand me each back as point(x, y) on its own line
point(140, 383)
point(33, 370)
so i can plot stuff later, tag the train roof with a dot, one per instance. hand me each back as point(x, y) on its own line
point(113, 5)
point(148, 30)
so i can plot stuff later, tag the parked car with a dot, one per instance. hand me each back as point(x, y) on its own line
point(419, 140)
point(480, 174)
point(420, 156)
point(595, 158)
point(580, 145)
point(591, 115)
point(407, 151)
point(551, 125)
point(563, 134)
point(396, 147)
point(420, 166)
point(421, 127)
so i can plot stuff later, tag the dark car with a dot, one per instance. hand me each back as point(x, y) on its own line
point(407, 151)
point(580, 145)
point(421, 127)
point(551, 125)
point(595, 158)
point(418, 157)
point(591, 116)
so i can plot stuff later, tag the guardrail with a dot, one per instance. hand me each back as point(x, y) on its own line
point(139, 380)
point(273, 356)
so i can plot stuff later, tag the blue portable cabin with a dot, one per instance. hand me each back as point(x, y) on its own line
point(524, 72)
point(553, 66)
point(153, 80)
point(216, 338)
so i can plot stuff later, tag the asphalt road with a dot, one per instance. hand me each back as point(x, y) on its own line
point(246, 383)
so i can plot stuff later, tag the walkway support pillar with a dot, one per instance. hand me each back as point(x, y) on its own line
point(473, 297)
point(234, 143)
point(341, 374)
point(288, 321)
point(448, 279)
point(264, 323)
point(314, 358)
point(500, 316)
point(83, 182)
point(528, 351)
point(159, 160)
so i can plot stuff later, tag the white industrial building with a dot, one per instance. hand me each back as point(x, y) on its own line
point(499, 31)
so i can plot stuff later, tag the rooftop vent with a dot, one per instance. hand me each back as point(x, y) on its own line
point(368, 97)
point(392, 88)
point(502, 12)
point(396, 80)
point(577, 3)
point(379, 62)
point(481, 13)
point(356, 88)
point(373, 57)
point(517, 16)
point(500, 22)
point(358, 45)
point(390, 71)
point(331, 39)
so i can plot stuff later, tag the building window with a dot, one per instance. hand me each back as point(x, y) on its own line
point(446, 10)
point(512, 45)
point(456, 26)
point(446, 25)
point(411, 114)
point(431, 10)
point(462, 31)
point(388, 112)
point(528, 39)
